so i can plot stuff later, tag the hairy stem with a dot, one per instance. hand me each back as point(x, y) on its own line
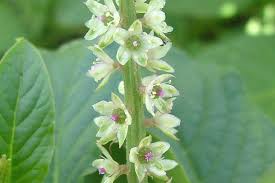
point(133, 98)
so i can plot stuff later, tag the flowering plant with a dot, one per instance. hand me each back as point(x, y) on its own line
point(125, 122)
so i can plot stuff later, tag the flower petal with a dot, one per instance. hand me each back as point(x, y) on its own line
point(136, 27)
point(103, 107)
point(156, 171)
point(110, 5)
point(100, 70)
point(109, 135)
point(152, 41)
point(123, 56)
point(160, 65)
point(168, 164)
point(121, 88)
point(133, 157)
point(159, 52)
point(120, 36)
point(141, 59)
point(161, 105)
point(149, 105)
point(117, 101)
point(140, 171)
point(145, 142)
point(156, 5)
point(104, 81)
point(169, 90)
point(104, 152)
point(160, 148)
point(167, 120)
point(101, 54)
point(96, 8)
point(107, 38)
point(141, 7)
point(122, 134)
point(97, 28)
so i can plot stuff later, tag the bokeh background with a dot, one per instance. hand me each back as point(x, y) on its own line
point(231, 35)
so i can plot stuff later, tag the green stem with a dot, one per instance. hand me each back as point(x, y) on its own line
point(133, 98)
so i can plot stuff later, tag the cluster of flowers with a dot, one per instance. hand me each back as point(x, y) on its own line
point(147, 50)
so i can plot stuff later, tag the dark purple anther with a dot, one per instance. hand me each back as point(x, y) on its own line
point(148, 156)
point(102, 171)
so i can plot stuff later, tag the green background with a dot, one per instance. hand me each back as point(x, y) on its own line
point(224, 73)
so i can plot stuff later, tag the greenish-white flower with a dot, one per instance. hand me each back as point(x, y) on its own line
point(103, 67)
point(104, 21)
point(167, 124)
point(135, 44)
point(113, 125)
point(106, 166)
point(159, 93)
point(148, 159)
point(155, 18)
point(155, 61)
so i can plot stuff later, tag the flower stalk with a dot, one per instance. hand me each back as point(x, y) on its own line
point(133, 98)
point(124, 122)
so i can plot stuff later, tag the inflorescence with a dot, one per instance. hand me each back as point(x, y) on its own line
point(147, 49)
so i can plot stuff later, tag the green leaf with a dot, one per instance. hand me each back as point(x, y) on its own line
point(74, 92)
point(26, 114)
point(223, 138)
point(9, 29)
point(254, 58)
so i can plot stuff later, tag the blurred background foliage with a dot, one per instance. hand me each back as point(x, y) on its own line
point(233, 34)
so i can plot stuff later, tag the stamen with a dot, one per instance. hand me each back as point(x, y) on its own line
point(135, 43)
point(115, 117)
point(101, 171)
point(148, 156)
point(161, 93)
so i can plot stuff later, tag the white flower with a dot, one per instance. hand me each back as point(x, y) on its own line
point(148, 159)
point(154, 59)
point(113, 125)
point(159, 95)
point(167, 123)
point(103, 23)
point(155, 18)
point(103, 67)
point(135, 44)
point(107, 166)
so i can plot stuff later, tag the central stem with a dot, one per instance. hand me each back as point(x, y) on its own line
point(133, 98)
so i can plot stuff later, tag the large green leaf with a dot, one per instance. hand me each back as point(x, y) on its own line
point(74, 95)
point(254, 58)
point(223, 138)
point(26, 113)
